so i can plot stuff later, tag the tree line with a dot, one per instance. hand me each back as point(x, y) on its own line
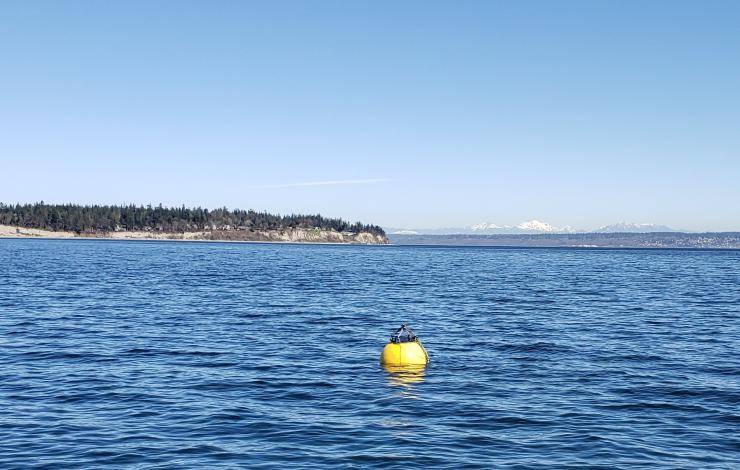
point(96, 218)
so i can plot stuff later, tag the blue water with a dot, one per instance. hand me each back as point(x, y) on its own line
point(216, 355)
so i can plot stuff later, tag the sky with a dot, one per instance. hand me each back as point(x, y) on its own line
point(405, 114)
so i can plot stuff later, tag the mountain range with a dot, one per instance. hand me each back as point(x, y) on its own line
point(533, 227)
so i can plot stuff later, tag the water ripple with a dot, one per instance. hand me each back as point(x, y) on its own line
point(177, 355)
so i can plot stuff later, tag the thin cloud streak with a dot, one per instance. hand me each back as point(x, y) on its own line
point(325, 183)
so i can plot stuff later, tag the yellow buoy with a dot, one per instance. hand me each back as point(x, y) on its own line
point(404, 349)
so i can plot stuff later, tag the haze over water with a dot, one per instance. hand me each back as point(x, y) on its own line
point(177, 355)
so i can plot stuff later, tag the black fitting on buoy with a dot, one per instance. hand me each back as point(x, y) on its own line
point(403, 334)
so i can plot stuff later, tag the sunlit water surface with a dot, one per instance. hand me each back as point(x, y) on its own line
point(216, 355)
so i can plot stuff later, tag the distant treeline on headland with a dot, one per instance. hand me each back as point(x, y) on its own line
point(79, 218)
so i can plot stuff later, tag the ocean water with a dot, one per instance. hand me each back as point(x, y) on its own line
point(216, 355)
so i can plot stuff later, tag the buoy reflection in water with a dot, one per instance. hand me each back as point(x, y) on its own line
point(405, 377)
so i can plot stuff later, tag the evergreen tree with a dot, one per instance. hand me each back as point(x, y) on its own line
point(96, 218)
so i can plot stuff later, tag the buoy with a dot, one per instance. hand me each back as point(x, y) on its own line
point(404, 349)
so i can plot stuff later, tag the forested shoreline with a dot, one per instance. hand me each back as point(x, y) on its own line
point(113, 218)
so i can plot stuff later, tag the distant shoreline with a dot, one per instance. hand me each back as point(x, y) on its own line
point(175, 240)
point(289, 236)
point(718, 240)
point(657, 240)
point(389, 244)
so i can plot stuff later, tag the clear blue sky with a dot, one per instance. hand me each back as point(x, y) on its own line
point(414, 114)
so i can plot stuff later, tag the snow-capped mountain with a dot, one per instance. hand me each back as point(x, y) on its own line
point(537, 226)
point(628, 227)
point(487, 226)
point(530, 226)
